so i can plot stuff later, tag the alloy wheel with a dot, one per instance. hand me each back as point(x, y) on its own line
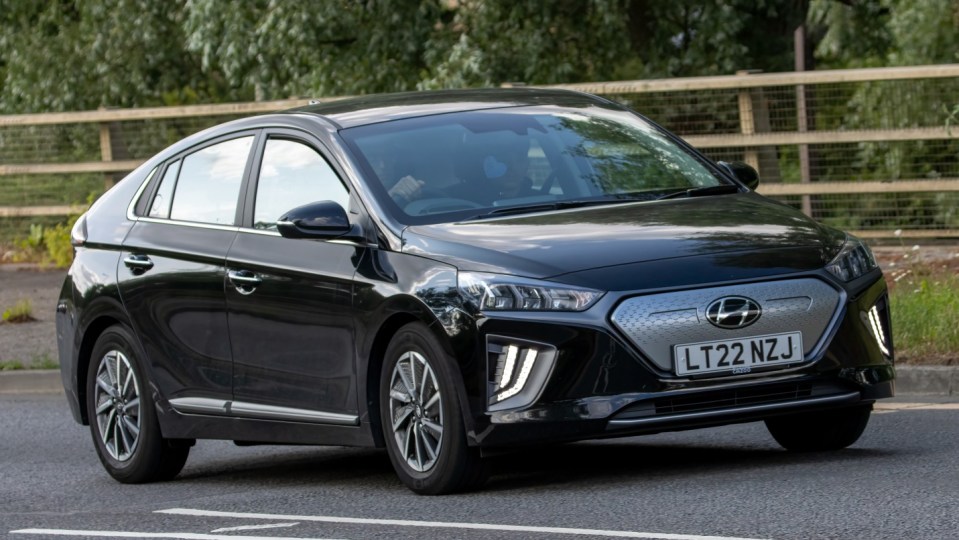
point(417, 412)
point(117, 399)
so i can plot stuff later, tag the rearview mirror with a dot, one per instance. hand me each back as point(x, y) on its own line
point(742, 172)
point(323, 220)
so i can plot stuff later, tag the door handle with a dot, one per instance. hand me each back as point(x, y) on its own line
point(244, 280)
point(138, 263)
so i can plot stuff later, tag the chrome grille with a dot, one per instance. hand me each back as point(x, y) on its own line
point(656, 322)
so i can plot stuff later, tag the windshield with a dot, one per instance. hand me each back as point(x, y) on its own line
point(467, 165)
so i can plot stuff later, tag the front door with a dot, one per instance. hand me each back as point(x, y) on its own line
point(290, 300)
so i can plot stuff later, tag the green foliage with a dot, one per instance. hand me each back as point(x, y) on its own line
point(70, 55)
point(925, 321)
point(529, 42)
point(21, 312)
point(682, 38)
point(274, 49)
point(59, 249)
point(46, 245)
point(29, 248)
point(11, 365)
point(40, 361)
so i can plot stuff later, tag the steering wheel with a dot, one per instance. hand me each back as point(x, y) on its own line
point(423, 207)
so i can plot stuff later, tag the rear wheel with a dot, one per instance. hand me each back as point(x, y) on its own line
point(422, 419)
point(122, 416)
point(821, 430)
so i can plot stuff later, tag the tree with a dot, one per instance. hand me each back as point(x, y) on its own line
point(65, 55)
point(526, 41)
point(273, 49)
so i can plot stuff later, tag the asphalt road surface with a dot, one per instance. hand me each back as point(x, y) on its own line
point(901, 480)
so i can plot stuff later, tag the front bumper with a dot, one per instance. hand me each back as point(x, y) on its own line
point(601, 384)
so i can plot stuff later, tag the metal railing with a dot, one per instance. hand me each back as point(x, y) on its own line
point(867, 150)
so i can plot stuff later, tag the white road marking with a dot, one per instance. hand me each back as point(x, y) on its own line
point(130, 534)
point(254, 527)
point(448, 525)
point(880, 406)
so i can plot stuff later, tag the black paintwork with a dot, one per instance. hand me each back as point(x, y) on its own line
point(312, 332)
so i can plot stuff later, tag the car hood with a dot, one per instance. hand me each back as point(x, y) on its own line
point(729, 236)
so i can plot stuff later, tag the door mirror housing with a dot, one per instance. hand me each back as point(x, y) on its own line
point(322, 220)
point(742, 172)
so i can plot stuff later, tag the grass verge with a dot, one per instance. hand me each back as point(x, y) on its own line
point(43, 361)
point(925, 315)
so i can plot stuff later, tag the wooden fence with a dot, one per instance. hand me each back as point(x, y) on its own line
point(752, 138)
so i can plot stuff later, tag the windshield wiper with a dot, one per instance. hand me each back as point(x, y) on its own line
point(544, 207)
point(721, 189)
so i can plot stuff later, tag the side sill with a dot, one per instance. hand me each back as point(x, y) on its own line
point(238, 409)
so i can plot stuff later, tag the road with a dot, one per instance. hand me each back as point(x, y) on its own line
point(901, 480)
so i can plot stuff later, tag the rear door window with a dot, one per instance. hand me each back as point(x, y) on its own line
point(209, 182)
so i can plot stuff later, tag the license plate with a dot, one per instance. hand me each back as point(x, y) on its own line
point(738, 355)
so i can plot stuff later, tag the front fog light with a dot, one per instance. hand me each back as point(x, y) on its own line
point(855, 259)
point(518, 371)
point(494, 292)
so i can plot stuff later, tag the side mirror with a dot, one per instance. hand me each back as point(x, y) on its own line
point(742, 172)
point(323, 220)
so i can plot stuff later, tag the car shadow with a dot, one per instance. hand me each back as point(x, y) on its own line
point(573, 464)
point(591, 462)
point(289, 465)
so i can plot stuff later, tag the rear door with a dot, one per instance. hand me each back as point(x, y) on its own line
point(290, 300)
point(172, 269)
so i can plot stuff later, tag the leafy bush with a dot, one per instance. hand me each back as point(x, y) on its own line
point(46, 245)
point(59, 249)
point(19, 313)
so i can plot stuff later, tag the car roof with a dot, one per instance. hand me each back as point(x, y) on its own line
point(376, 108)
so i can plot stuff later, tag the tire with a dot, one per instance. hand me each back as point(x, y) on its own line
point(422, 420)
point(820, 431)
point(123, 420)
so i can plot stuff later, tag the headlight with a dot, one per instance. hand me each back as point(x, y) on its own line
point(854, 260)
point(494, 292)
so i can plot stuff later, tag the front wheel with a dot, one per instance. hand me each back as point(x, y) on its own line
point(123, 420)
point(821, 430)
point(422, 419)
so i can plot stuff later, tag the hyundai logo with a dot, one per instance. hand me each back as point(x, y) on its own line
point(733, 312)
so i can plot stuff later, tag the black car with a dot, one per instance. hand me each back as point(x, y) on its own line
point(453, 274)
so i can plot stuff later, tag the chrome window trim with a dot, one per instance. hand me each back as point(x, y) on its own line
point(136, 198)
point(232, 228)
point(264, 232)
point(131, 215)
point(239, 409)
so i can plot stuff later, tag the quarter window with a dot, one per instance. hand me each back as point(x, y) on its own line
point(293, 174)
point(161, 202)
point(209, 183)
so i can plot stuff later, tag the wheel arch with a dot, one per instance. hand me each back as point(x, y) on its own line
point(92, 330)
point(377, 352)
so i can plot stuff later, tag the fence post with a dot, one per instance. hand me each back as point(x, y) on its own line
point(802, 116)
point(106, 151)
point(747, 120)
